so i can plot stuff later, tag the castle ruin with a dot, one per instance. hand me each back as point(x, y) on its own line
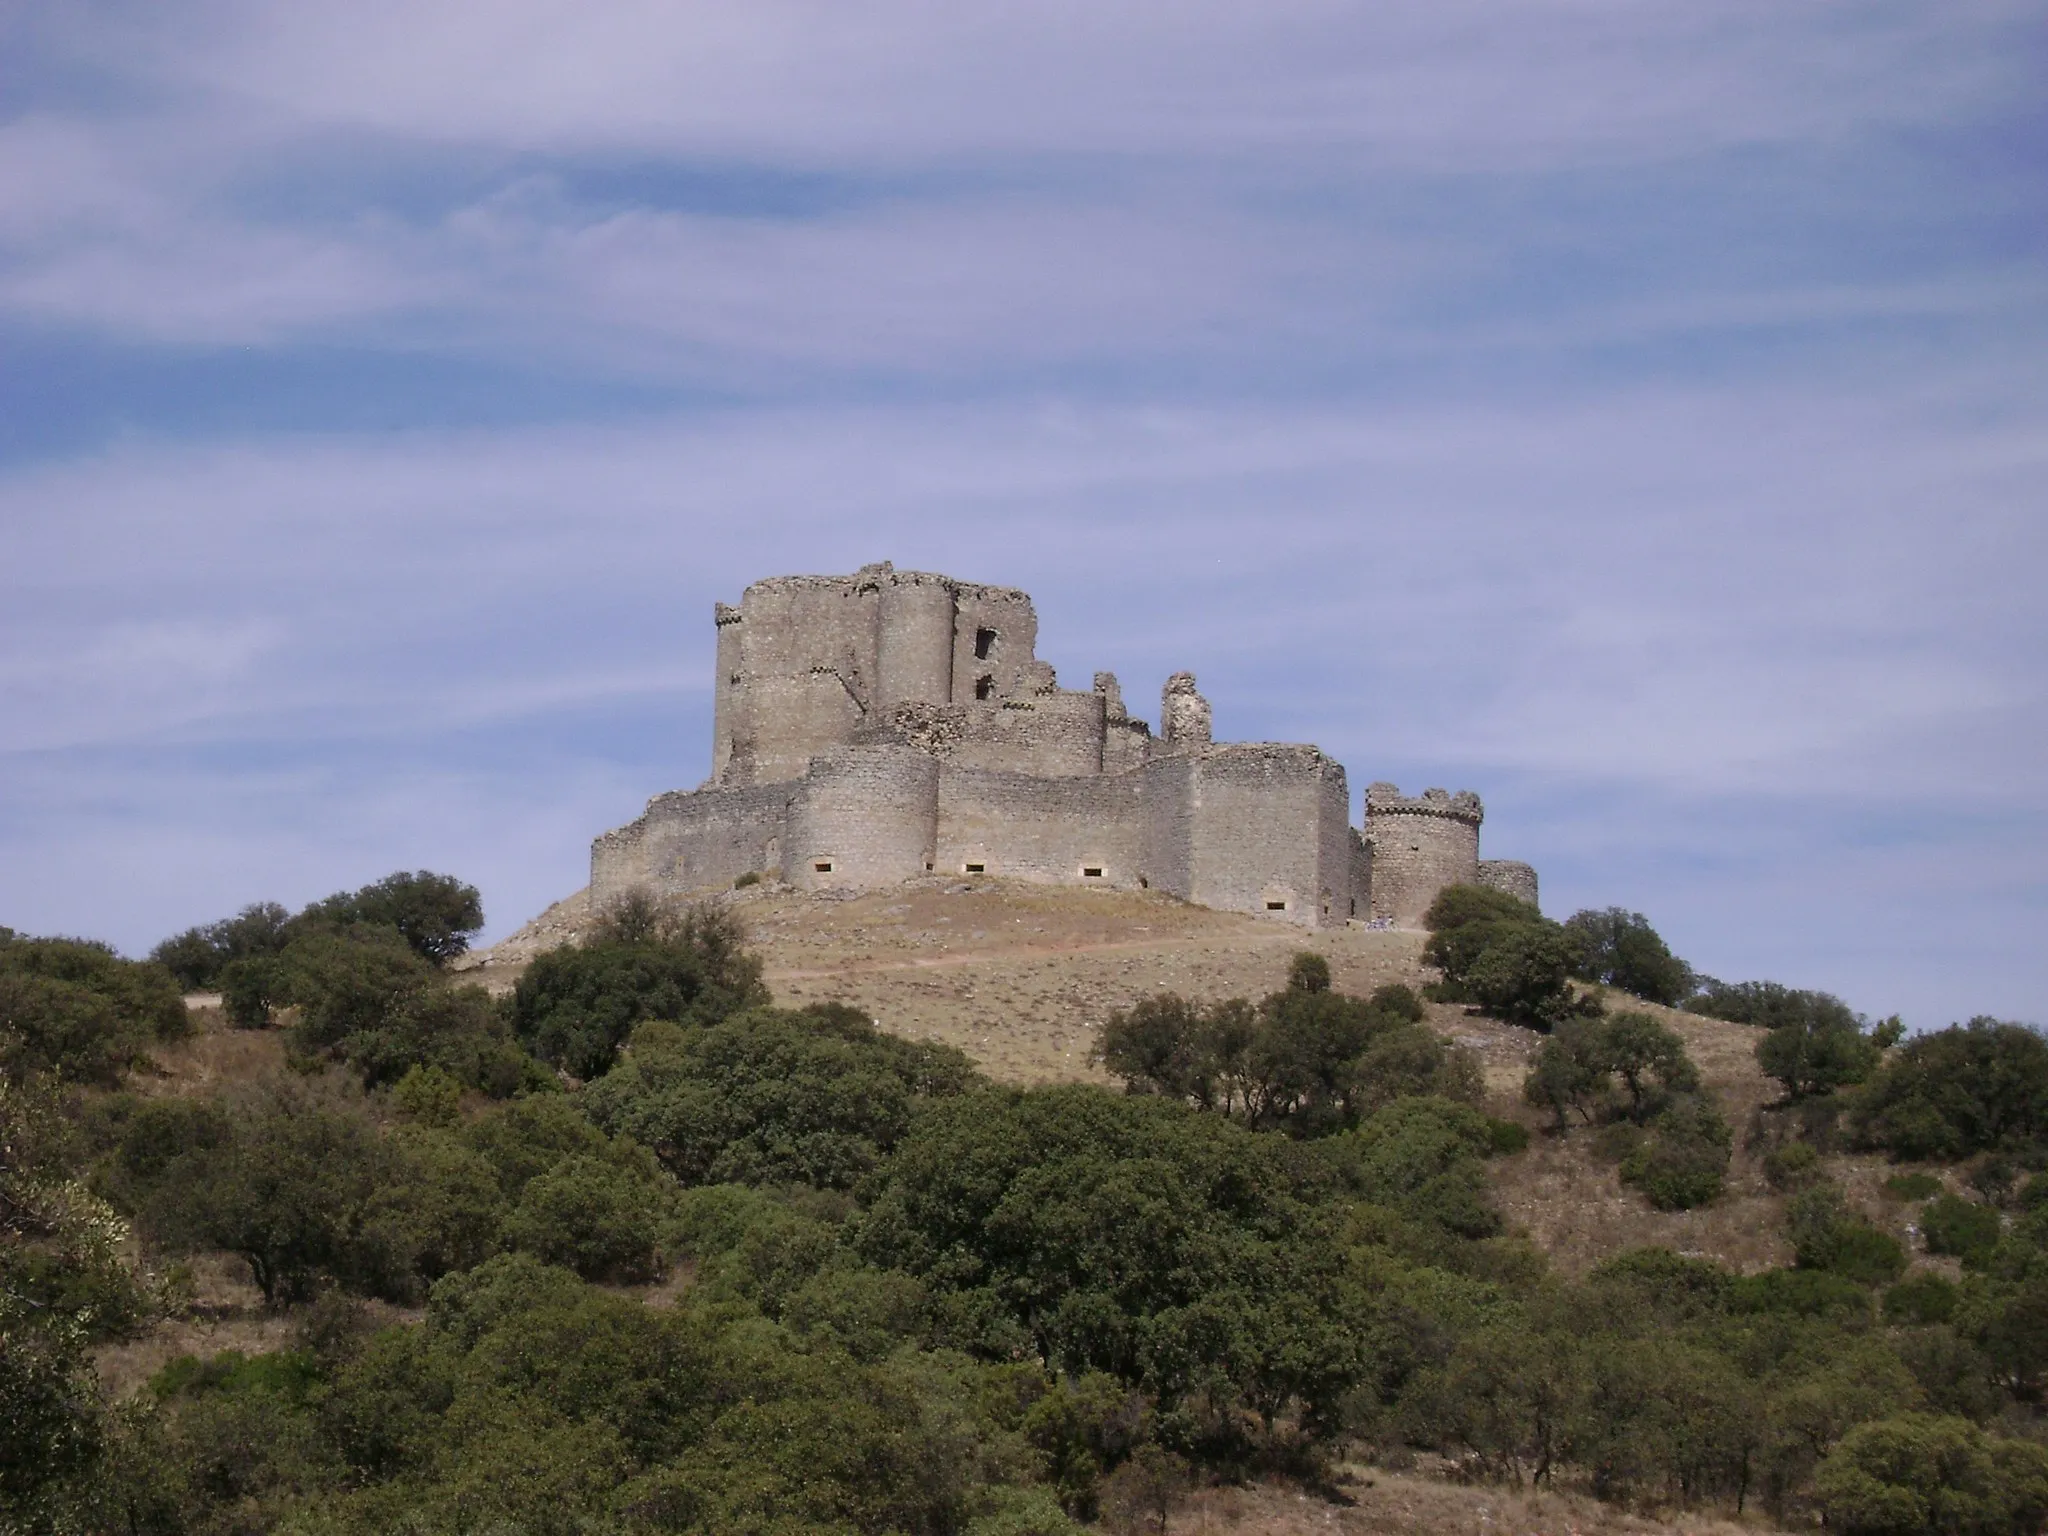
point(878, 727)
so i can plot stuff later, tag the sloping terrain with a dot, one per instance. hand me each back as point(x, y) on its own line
point(1021, 977)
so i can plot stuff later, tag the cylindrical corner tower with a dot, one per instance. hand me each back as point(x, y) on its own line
point(865, 816)
point(1419, 846)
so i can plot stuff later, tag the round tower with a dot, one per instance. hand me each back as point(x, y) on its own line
point(1420, 844)
point(866, 816)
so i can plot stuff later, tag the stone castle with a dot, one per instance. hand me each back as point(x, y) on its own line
point(891, 724)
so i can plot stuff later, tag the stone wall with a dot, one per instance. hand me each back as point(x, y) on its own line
point(1271, 833)
point(1419, 846)
point(1052, 830)
point(1167, 839)
point(807, 662)
point(1510, 875)
point(689, 843)
point(1360, 904)
point(865, 816)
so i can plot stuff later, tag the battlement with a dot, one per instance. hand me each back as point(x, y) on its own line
point(1384, 799)
point(872, 727)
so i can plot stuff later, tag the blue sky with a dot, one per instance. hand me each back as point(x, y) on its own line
point(1636, 413)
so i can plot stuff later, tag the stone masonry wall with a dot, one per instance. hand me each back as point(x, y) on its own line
point(1052, 830)
point(864, 816)
point(1419, 846)
point(1167, 842)
point(1510, 875)
point(1270, 833)
point(689, 843)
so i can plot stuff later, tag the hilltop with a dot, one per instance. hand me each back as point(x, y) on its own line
point(1022, 977)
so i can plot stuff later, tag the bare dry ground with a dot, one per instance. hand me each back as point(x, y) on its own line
point(1418, 1505)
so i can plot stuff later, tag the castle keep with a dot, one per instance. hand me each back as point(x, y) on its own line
point(890, 724)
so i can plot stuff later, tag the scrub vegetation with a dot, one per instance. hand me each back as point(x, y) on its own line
point(630, 1248)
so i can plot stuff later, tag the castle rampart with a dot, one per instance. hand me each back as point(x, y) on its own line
point(1509, 875)
point(876, 727)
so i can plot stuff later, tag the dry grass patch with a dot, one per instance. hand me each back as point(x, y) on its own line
point(1413, 1505)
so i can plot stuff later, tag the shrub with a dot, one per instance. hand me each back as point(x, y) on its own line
point(428, 1095)
point(1795, 1165)
point(198, 956)
point(252, 988)
point(436, 915)
point(1571, 1072)
point(1305, 1060)
point(1682, 1158)
point(1649, 1059)
point(1799, 1293)
point(1826, 1235)
point(592, 1216)
point(1922, 1299)
point(575, 1007)
point(1921, 1473)
point(1970, 1088)
point(78, 1011)
point(1520, 974)
point(1917, 1185)
point(1620, 949)
point(1963, 1228)
point(1817, 1052)
point(816, 1096)
point(1768, 1004)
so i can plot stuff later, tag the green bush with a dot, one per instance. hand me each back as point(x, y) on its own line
point(198, 956)
point(1827, 1235)
point(1571, 1073)
point(1810, 1293)
point(816, 1096)
point(1922, 1299)
point(1768, 1005)
point(1970, 1088)
point(1818, 1051)
point(1925, 1475)
point(574, 1008)
point(1306, 1060)
point(1682, 1158)
point(1916, 1185)
point(436, 915)
point(1517, 970)
point(1649, 1060)
point(1963, 1228)
point(1616, 948)
point(593, 1216)
point(74, 1009)
point(1795, 1165)
point(1131, 1235)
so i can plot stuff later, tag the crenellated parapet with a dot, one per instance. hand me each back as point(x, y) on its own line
point(1384, 799)
point(1419, 845)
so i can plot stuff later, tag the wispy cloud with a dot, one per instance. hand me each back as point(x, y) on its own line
point(1633, 411)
